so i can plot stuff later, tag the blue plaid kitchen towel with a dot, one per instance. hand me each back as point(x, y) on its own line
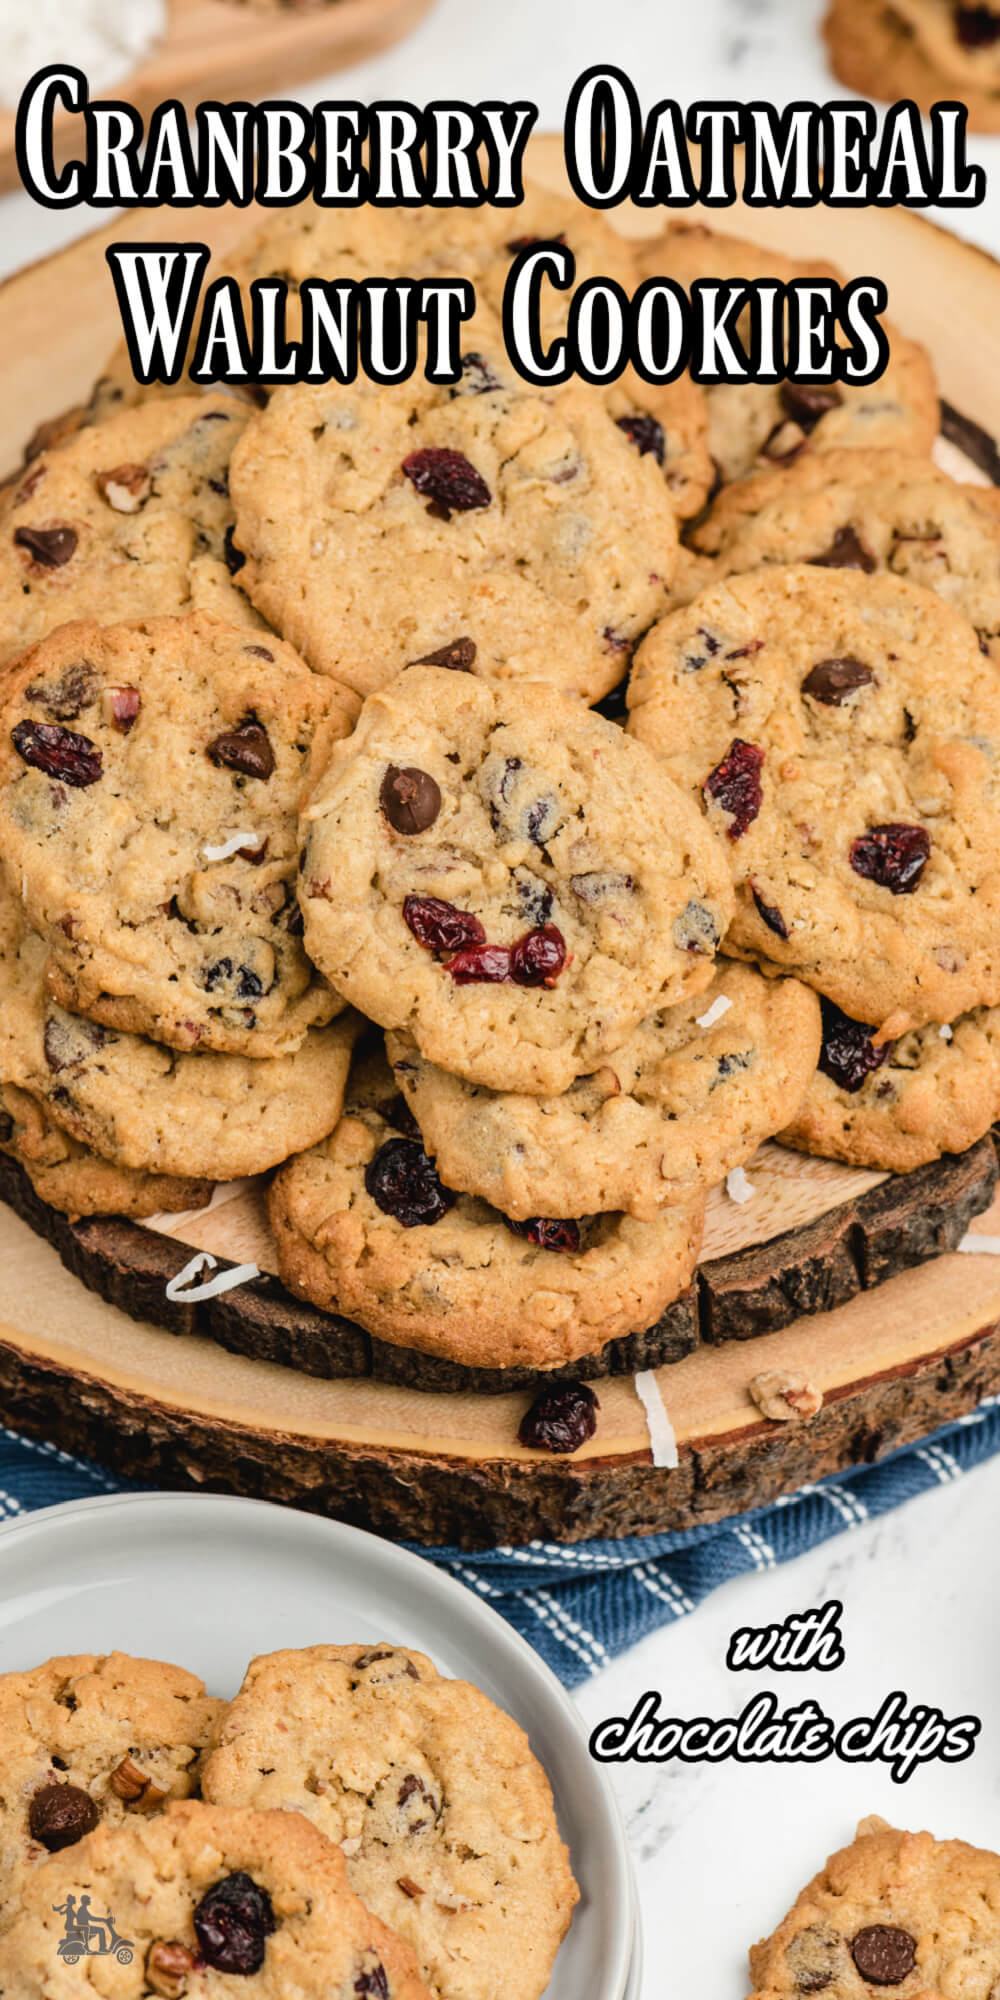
point(581, 1606)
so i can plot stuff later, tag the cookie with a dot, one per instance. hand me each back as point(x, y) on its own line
point(507, 877)
point(839, 731)
point(668, 420)
point(430, 1791)
point(894, 1910)
point(150, 777)
point(152, 1110)
point(897, 1104)
point(127, 519)
point(515, 530)
point(364, 1226)
point(197, 1897)
point(91, 1740)
point(869, 511)
point(71, 1178)
point(780, 423)
point(691, 1094)
point(927, 52)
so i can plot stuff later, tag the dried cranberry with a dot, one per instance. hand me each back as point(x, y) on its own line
point(458, 656)
point(481, 965)
point(232, 1924)
point(246, 749)
point(547, 1234)
point(646, 434)
point(439, 926)
point(977, 27)
point(50, 548)
point(770, 915)
point(562, 1418)
point(735, 785)
point(447, 478)
point(894, 856)
point(60, 1815)
point(884, 1954)
point(846, 551)
point(60, 753)
point(65, 698)
point(404, 1183)
point(478, 378)
point(372, 1981)
point(848, 1055)
point(538, 958)
point(807, 402)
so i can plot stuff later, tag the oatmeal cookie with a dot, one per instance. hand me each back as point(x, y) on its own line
point(506, 876)
point(840, 731)
point(927, 50)
point(71, 1178)
point(691, 1094)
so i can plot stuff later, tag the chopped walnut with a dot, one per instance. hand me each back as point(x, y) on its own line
point(167, 1968)
point(409, 1886)
point(131, 1785)
point(126, 488)
point(786, 1399)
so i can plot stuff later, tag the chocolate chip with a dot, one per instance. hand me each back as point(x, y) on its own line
point(561, 1419)
point(977, 27)
point(404, 1183)
point(246, 749)
point(884, 1954)
point(232, 1923)
point(60, 1815)
point(50, 548)
point(833, 681)
point(894, 856)
point(459, 656)
point(410, 798)
point(234, 557)
point(64, 698)
point(60, 753)
point(846, 551)
point(807, 402)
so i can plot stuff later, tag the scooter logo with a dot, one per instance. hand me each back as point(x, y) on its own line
point(88, 1936)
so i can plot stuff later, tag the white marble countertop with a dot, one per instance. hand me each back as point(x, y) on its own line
point(722, 1852)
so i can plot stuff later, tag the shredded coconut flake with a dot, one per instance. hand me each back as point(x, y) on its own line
point(662, 1441)
point(980, 1246)
point(183, 1290)
point(715, 1012)
point(232, 844)
point(945, 1034)
point(738, 1188)
point(104, 38)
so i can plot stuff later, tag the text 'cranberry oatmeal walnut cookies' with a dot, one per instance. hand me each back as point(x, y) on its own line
point(206, 1897)
point(365, 1225)
point(150, 781)
point(691, 1094)
point(382, 523)
point(507, 877)
point(841, 733)
point(430, 1791)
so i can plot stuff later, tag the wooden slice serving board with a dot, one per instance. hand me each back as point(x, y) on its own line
point(892, 1363)
point(217, 49)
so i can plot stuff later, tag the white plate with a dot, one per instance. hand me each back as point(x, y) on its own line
point(207, 1581)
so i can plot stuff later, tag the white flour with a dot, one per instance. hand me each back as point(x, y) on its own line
point(104, 38)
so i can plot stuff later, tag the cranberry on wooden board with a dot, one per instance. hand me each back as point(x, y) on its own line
point(232, 1923)
point(735, 785)
point(60, 753)
point(894, 856)
point(404, 1183)
point(447, 477)
point(561, 1419)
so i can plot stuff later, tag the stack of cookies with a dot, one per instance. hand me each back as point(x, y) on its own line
point(325, 850)
point(353, 1823)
